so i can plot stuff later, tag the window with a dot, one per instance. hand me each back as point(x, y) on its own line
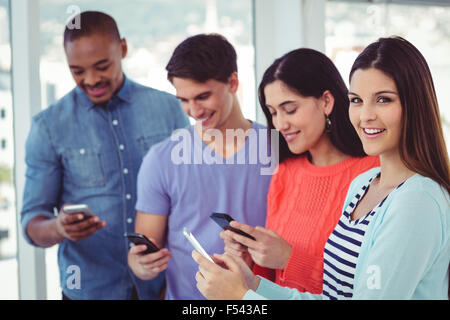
point(351, 26)
point(151, 38)
point(8, 242)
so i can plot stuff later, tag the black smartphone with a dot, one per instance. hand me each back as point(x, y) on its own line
point(138, 238)
point(223, 220)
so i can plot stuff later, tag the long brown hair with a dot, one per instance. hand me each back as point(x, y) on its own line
point(422, 145)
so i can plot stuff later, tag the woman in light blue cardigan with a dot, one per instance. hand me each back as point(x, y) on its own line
point(393, 239)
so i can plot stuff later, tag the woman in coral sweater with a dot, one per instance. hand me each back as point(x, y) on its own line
point(303, 97)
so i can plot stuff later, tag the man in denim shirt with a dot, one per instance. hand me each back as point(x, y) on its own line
point(87, 148)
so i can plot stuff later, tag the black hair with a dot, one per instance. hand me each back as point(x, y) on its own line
point(203, 57)
point(91, 22)
point(311, 73)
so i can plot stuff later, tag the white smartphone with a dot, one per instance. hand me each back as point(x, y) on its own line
point(77, 208)
point(196, 244)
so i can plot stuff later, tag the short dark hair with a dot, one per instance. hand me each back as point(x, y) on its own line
point(311, 73)
point(91, 22)
point(203, 57)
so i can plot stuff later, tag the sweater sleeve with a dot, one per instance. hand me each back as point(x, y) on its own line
point(403, 248)
point(275, 190)
point(267, 273)
point(306, 268)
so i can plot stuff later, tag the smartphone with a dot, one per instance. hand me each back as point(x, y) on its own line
point(223, 220)
point(138, 239)
point(196, 244)
point(79, 208)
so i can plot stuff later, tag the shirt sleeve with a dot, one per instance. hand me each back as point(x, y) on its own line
point(407, 241)
point(272, 291)
point(152, 196)
point(43, 176)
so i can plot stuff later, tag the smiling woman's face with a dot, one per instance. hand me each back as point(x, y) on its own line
point(375, 111)
point(301, 120)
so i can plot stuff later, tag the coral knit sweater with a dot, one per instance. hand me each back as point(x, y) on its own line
point(304, 205)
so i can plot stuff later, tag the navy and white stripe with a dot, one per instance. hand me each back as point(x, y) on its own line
point(342, 249)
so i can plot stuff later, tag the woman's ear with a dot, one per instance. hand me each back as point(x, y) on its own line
point(328, 102)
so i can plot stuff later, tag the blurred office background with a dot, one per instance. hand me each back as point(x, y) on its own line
point(33, 73)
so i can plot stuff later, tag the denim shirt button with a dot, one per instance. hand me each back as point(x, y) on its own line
point(82, 151)
point(125, 171)
point(129, 220)
point(115, 122)
point(128, 196)
point(121, 147)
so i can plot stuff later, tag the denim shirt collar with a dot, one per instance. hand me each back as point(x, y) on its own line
point(124, 94)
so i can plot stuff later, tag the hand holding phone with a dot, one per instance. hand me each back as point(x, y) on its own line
point(146, 264)
point(78, 208)
point(77, 222)
point(223, 220)
point(138, 239)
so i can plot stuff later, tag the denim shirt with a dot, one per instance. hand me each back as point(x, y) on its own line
point(78, 152)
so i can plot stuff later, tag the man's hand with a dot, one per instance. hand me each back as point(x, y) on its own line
point(75, 228)
point(147, 267)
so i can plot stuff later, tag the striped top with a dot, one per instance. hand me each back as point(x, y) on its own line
point(342, 249)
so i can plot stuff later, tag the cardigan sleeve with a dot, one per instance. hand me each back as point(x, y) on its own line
point(403, 247)
point(272, 291)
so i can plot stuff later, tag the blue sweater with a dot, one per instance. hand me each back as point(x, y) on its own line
point(405, 253)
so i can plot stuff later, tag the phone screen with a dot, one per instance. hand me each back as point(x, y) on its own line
point(197, 246)
point(222, 219)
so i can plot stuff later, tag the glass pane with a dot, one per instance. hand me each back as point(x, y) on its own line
point(8, 242)
point(151, 38)
point(350, 27)
point(152, 29)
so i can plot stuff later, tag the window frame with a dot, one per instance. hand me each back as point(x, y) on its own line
point(24, 39)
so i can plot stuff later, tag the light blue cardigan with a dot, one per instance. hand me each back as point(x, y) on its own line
point(405, 253)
